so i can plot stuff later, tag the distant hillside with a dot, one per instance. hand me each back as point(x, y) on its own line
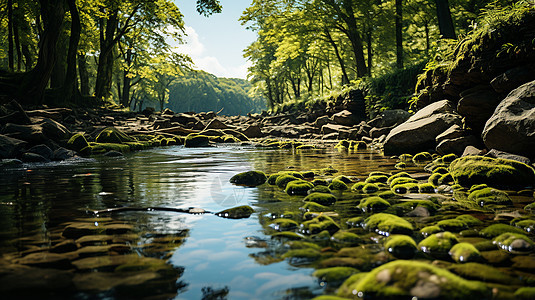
point(200, 91)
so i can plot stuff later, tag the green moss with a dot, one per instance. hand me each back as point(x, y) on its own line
point(422, 157)
point(343, 144)
point(313, 206)
point(504, 173)
point(346, 289)
point(379, 173)
point(239, 212)
point(299, 256)
point(433, 179)
point(357, 187)
point(77, 142)
point(376, 178)
point(308, 174)
point(320, 189)
point(454, 225)
point(317, 182)
point(527, 225)
point(477, 187)
point(449, 158)
point(464, 252)
point(334, 275)
point(401, 180)
point(495, 230)
point(481, 272)
point(439, 244)
point(469, 220)
point(306, 147)
point(426, 188)
point(514, 242)
point(398, 175)
point(525, 293)
point(100, 148)
point(196, 140)
point(328, 171)
point(346, 237)
point(405, 157)
point(284, 179)
point(403, 279)
point(429, 230)
point(488, 195)
point(401, 246)
point(302, 245)
point(358, 145)
point(440, 170)
point(373, 204)
point(283, 224)
point(355, 221)
point(338, 185)
point(320, 224)
point(298, 187)
point(401, 166)
point(387, 224)
point(114, 136)
point(445, 179)
point(272, 178)
point(290, 235)
point(370, 188)
point(343, 178)
point(250, 178)
point(321, 198)
point(412, 204)
point(405, 188)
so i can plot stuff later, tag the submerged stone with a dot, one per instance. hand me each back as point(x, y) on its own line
point(250, 178)
point(338, 185)
point(284, 179)
point(239, 212)
point(196, 140)
point(283, 224)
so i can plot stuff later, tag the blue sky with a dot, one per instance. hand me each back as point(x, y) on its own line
point(216, 43)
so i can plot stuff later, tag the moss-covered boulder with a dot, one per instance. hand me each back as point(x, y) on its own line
point(335, 275)
point(439, 244)
point(283, 224)
point(453, 225)
point(377, 178)
point(497, 172)
point(426, 188)
point(114, 136)
point(398, 175)
point(422, 157)
point(321, 198)
point(284, 179)
point(313, 207)
point(249, 178)
point(429, 230)
point(495, 230)
point(514, 242)
point(403, 279)
point(196, 140)
point(401, 246)
point(319, 224)
point(239, 212)
point(298, 187)
point(338, 185)
point(77, 142)
point(319, 189)
point(317, 182)
point(373, 204)
point(465, 252)
point(487, 195)
point(346, 238)
point(370, 188)
point(387, 224)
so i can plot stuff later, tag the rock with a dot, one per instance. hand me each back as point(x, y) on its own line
point(419, 132)
point(298, 187)
point(401, 246)
point(501, 154)
point(253, 131)
point(167, 112)
point(250, 178)
point(402, 279)
point(54, 130)
point(345, 118)
point(477, 105)
point(184, 119)
point(10, 147)
point(236, 134)
point(10, 163)
point(46, 260)
point(239, 212)
point(377, 132)
point(113, 135)
point(148, 111)
point(62, 154)
point(34, 158)
point(334, 275)
point(77, 142)
point(333, 128)
point(456, 145)
point(389, 118)
point(496, 172)
point(513, 78)
point(387, 224)
point(42, 150)
point(23, 282)
point(453, 132)
point(515, 243)
point(33, 134)
point(216, 124)
point(321, 198)
point(471, 150)
point(323, 120)
point(113, 153)
point(439, 244)
point(65, 246)
point(512, 125)
point(196, 140)
point(464, 252)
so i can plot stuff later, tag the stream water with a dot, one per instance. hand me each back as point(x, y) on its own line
point(163, 254)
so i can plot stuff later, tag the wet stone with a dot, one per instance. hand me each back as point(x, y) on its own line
point(65, 246)
point(94, 240)
point(46, 260)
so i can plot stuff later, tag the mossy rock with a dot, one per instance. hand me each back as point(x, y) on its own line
point(328, 171)
point(403, 188)
point(317, 182)
point(77, 142)
point(306, 147)
point(355, 221)
point(357, 187)
point(398, 175)
point(302, 256)
point(335, 275)
point(401, 246)
point(114, 136)
point(469, 220)
point(454, 225)
point(406, 157)
point(370, 188)
point(283, 224)
point(477, 187)
point(319, 189)
point(376, 178)
point(400, 166)
point(320, 224)
point(434, 178)
point(422, 157)
point(525, 293)
point(439, 244)
point(302, 245)
point(504, 173)
point(249, 178)
point(239, 212)
point(308, 174)
point(284, 179)
point(379, 173)
point(449, 158)
point(403, 279)
point(343, 144)
point(289, 235)
point(101, 148)
point(495, 230)
point(346, 289)
point(488, 195)
point(272, 178)
point(343, 178)
point(426, 188)
point(429, 230)
point(401, 180)
point(446, 179)
point(293, 173)
point(314, 207)
point(440, 170)
point(358, 145)
point(346, 237)
point(196, 140)
point(412, 204)
point(526, 225)
point(338, 185)
point(387, 224)
point(321, 198)
point(515, 243)
point(483, 272)
point(373, 204)
point(465, 252)
point(298, 187)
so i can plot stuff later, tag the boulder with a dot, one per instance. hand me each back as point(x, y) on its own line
point(512, 126)
point(33, 134)
point(419, 132)
point(471, 150)
point(253, 131)
point(456, 145)
point(345, 117)
point(54, 130)
point(331, 128)
point(513, 78)
point(500, 154)
point(10, 147)
point(477, 105)
point(453, 132)
point(216, 124)
point(184, 119)
point(390, 118)
point(34, 158)
point(379, 131)
point(62, 154)
point(323, 120)
point(42, 150)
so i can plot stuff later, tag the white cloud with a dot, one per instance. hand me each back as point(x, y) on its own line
point(211, 64)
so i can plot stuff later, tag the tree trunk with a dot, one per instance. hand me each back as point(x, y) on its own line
point(28, 60)
point(399, 36)
point(105, 60)
point(370, 51)
point(445, 23)
point(125, 97)
point(70, 86)
point(84, 75)
point(16, 37)
point(10, 51)
point(427, 41)
point(345, 78)
point(354, 37)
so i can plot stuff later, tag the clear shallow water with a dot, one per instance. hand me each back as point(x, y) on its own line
point(38, 202)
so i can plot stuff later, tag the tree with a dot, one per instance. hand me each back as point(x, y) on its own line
point(445, 22)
